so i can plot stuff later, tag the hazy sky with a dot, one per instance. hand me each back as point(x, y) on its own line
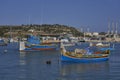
point(94, 14)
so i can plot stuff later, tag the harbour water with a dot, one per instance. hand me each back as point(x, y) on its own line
point(15, 65)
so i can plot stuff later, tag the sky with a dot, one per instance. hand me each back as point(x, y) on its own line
point(92, 14)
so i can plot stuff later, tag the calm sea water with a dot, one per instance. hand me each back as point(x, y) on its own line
point(32, 66)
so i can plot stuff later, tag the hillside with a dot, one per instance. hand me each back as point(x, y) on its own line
point(42, 29)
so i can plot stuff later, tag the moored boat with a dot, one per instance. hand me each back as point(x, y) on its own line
point(3, 43)
point(33, 43)
point(100, 44)
point(103, 46)
point(84, 55)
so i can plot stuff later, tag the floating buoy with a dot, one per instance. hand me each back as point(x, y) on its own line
point(5, 50)
point(48, 62)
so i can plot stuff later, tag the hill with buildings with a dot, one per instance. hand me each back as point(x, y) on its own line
point(44, 29)
point(53, 30)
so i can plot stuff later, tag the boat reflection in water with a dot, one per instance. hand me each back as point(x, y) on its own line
point(85, 71)
point(22, 58)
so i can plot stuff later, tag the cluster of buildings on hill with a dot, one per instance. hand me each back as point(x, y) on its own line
point(88, 36)
point(66, 32)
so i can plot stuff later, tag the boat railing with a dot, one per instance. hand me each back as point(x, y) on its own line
point(85, 55)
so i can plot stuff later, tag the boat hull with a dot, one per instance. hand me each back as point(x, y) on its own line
point(38, 49)
point(25, 47)
point(82, 60)
point(111, 49)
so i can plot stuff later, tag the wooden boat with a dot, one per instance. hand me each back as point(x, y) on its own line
point(84, 55)
point(33, 44)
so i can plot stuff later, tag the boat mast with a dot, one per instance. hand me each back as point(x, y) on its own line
point(10, 32)
point(116, 32)
point(112, 31)
point(83, 31)
point(11, 37)
point(88, 30)
point(109, 29)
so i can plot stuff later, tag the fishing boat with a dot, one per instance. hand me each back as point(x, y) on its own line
point(84, 55)
point(33, 43)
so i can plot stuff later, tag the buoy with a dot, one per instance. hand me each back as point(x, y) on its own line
point(5, 50)
point(48, 62)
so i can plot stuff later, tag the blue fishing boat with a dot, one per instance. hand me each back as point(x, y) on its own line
point(34, 43)
point(84, 55)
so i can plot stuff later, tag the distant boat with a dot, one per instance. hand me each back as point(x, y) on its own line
point(64, 40)
point(99, 44)
point(2, 42)
point(82, 40)
point(84, 55)
point(102, 46)
point(33, 43)
point(11, 40)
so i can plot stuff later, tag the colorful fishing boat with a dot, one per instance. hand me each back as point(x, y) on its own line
point(84, 55)
point(33, 43)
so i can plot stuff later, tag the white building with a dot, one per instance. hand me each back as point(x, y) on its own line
point(95, 33)
point(88, 33)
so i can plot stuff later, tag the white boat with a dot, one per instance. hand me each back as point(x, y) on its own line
point(100, 44)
